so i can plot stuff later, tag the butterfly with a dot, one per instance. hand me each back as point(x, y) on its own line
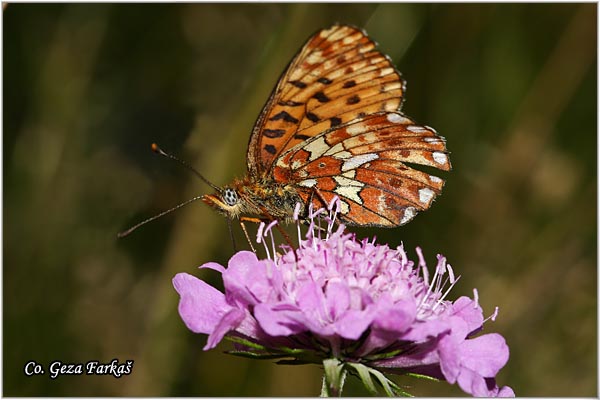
point(333, 127)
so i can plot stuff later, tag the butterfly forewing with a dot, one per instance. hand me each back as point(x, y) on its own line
point(336, 77)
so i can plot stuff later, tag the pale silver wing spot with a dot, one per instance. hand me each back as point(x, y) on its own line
point(295, 164)
point(356, 129)
point(390, 106)
point(350, 174)
point(417, 129)
point(366, 48)
point(425, 195)
point(398, 119)
point(386, 71)
point(357, 161)
point(376, 60)
point(338, 152)
point(435, 179)
point(309, 183)
point(338, 147)
point(342, 181)
point(316, 148)
point(409, 214)
point(392, 86)
point(349, 192)
point(314, 57)
point(350, 39)
point(345, 208)
point(348, 188)
point(343, 155)
point(440, 157)
point(326, 32)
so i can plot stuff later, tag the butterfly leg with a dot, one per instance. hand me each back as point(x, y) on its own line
point(258, 221)
point(248, 219)
point(255, 221)
point(315, 192)
point(267, 219)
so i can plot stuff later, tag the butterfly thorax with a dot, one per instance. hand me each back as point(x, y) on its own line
point(262, 197)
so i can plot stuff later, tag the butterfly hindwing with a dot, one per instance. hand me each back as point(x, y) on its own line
point(364, 163)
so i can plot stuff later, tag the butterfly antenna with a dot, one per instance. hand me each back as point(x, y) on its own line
point(144, 222)
point(158, 150)
point(163, 153)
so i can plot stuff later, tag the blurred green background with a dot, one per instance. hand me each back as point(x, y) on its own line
point(87, 88)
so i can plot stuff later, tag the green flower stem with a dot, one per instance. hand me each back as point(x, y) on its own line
point(333, 378)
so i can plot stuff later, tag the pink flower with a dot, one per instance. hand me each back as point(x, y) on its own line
point(350, 305)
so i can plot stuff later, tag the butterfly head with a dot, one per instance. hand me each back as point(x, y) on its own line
point(226, 201)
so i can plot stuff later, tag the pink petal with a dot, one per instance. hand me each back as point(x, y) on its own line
point(469, 311)
point(245, 279)
point(279, 319)
point(472, 383)
point(478, 386)
point(449, 349)
point(311, 300)
point(353, 323)
point(229, 322)
point(201, 306)
point(214, 266)
point(505, 391)
point(395, 317)
point(423, 330)
point(485, 354)
point(337, 298)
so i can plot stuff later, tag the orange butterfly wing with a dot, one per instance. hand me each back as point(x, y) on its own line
point(364, 163)
point(332, 128)
point(337, 76)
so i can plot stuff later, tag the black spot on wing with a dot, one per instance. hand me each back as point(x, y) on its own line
point(353, 100)
point(274, 133)
point(335, 121)
point(325, 81)
point(313, 117)
point(298, 84)
point(284, 115)
point(321, 97)
point(301, 136)
point(349, 84)
point(269, 148)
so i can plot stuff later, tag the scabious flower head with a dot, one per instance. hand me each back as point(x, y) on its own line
point(352, 306)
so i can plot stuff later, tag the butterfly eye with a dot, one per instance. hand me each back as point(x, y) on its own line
point(230, 197)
